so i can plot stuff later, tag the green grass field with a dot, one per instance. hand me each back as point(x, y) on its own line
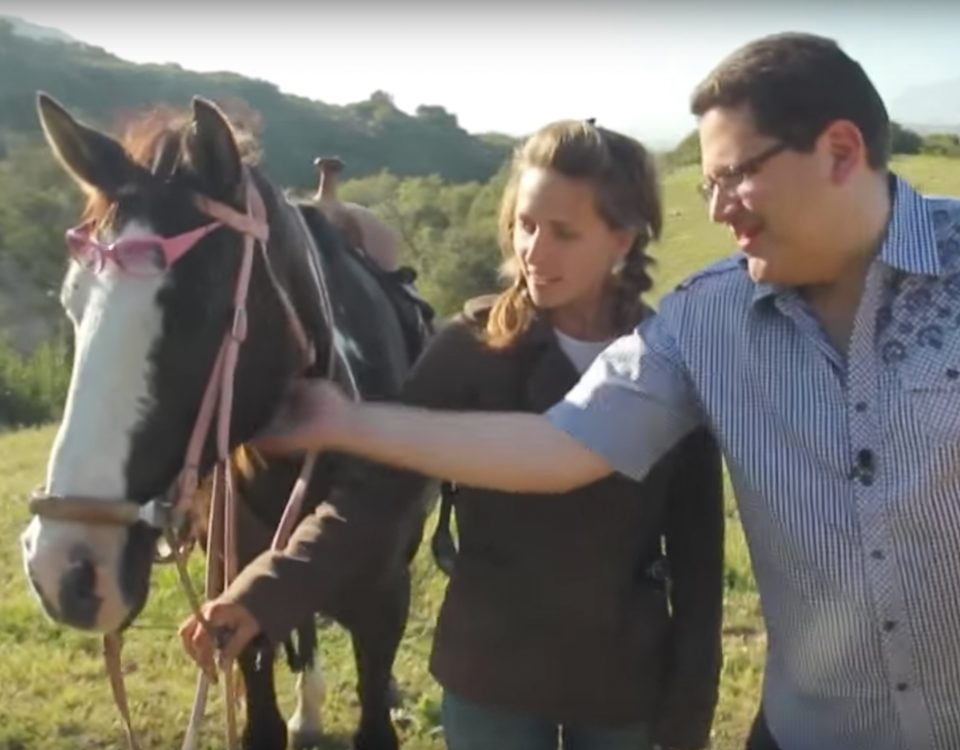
point(53, 693)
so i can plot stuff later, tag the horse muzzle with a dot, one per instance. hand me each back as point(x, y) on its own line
point(89, 560)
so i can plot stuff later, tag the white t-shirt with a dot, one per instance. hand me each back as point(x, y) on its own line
point(580, 353)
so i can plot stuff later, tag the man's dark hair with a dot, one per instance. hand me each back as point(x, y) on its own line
point(796, 85)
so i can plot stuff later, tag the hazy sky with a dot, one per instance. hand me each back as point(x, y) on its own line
point(508, 66)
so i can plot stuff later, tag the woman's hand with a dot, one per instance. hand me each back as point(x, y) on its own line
point(310, 418)
point(236, 623)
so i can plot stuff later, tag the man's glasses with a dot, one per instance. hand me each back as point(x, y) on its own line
point(730, 178)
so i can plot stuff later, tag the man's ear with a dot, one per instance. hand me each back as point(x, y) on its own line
point(843, 143)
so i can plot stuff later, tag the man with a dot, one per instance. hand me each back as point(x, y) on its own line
point(826, 358)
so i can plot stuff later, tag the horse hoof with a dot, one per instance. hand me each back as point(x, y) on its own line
point(384, 739)
point(272, 741)
point(306, 740)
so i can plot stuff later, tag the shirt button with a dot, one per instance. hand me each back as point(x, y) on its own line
point(877, 554)
point(865, 466)
point(860, 406)
point(953, 373)
point(902, 686)
point(889, 625)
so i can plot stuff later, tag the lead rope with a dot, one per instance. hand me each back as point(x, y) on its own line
point(213, 583)
point(288, 519)
point(112, 642)
point(238, 334)
point(220, 384)
point(112, 646)
point(294, 506)
point(221, 534)
point(227, 531)
point(221, 538)
point(216, 544)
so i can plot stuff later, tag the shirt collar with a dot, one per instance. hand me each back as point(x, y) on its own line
point(910, 243)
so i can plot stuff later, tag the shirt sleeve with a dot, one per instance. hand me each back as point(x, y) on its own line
point(636, 400)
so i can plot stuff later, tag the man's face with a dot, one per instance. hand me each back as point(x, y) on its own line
point(776, 201)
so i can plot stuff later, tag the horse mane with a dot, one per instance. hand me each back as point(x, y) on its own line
point(164, 130)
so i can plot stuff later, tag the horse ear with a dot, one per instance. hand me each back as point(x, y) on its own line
point(214, 151)
point(167, 158)
point(93, 159)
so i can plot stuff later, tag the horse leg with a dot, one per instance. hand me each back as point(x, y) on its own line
point(376, 631)
point(306, 727)
point(265, 729)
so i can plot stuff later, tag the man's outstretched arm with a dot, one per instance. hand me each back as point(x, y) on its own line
point(626, 412)
point(510, 451)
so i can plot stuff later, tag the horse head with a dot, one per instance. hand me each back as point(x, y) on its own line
point(150, 292)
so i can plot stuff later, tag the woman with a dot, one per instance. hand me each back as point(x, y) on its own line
point(593, 615)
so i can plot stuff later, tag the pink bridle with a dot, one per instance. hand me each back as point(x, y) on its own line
point(217, 400)
point(134, 255)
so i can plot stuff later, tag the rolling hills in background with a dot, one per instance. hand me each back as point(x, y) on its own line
point(369, 135)
point(423, 172)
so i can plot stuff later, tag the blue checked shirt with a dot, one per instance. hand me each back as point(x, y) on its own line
point(846, 471)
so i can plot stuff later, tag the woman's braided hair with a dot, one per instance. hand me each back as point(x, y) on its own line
point(624, 175)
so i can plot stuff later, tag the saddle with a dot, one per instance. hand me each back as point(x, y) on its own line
point(415, 314)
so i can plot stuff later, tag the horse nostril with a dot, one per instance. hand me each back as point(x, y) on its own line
point(79, 603)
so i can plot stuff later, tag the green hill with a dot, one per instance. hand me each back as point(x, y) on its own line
point(38, 201)
point(34, 31)
point(370, 135)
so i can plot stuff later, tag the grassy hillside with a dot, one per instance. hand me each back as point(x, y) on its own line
point(53, 694)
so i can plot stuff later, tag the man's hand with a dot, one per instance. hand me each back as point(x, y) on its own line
point(311, 415)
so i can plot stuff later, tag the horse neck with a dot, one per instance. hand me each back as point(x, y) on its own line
point(300, 272)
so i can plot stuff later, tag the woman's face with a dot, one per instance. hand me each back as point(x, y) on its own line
point(565, 248)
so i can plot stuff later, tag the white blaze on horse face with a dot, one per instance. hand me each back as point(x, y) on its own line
point(117, 321)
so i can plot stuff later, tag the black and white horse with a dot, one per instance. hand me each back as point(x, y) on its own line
point(147, 332)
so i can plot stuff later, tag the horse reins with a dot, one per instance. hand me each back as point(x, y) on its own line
point(162, 514)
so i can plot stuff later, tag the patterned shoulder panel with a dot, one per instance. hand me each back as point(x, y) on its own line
point(725, 267)
point(944, 208)
point(945, 213)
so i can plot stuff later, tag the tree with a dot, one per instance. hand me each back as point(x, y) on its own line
point(438, 115)
point(370, 135)
point(903, 140)
point(942, 144)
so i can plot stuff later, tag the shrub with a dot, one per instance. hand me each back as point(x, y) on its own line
point(33, 388)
